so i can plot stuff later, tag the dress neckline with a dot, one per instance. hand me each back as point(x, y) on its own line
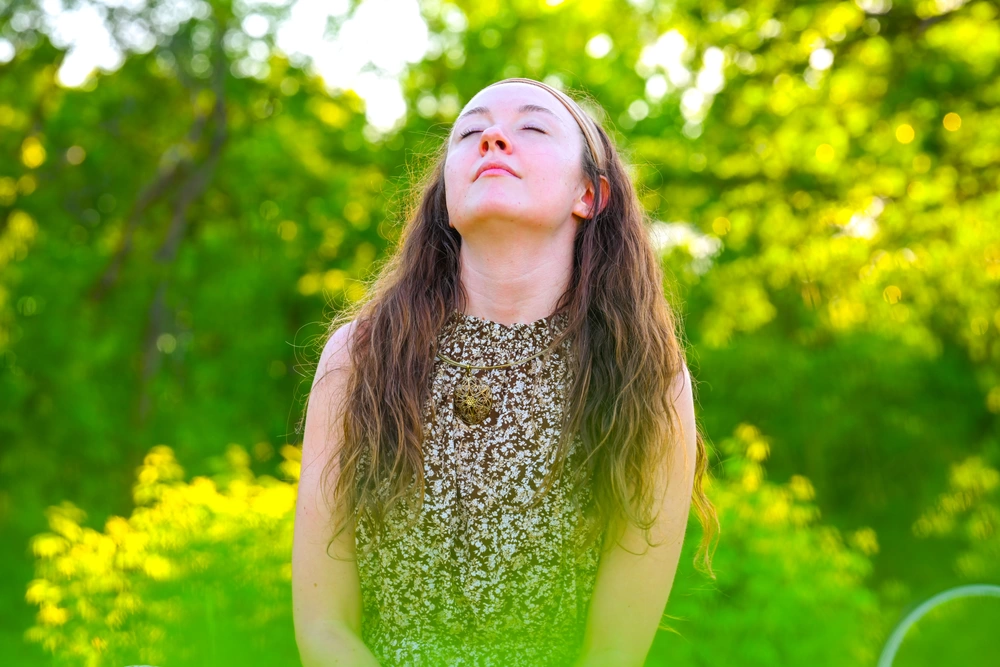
point(540, 323)
point(477, 340)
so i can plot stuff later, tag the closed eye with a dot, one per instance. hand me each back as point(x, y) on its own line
point(468, 132)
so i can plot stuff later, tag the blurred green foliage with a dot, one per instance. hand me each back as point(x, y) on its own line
point(823, 179)
point(206, 561)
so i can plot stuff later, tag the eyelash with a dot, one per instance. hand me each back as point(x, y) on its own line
point(468, 132)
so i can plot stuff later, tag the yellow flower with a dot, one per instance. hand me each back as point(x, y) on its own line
point(52, 615)
point(157, 567)
point(48, 545)
point(42, 591)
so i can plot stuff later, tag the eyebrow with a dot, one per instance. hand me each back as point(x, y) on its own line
point(524, 108)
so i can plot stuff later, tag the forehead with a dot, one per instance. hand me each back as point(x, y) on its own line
point(509, 98)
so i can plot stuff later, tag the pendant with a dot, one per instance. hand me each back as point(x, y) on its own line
point(473, 399)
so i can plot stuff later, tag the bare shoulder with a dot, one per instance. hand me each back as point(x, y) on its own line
point(327, 400)
point(682, 396)
point(681, 383)
point(336, 356)
point(328, 394)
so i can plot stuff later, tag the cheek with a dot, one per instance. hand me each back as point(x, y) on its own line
point(552, 176)
point(451, 182)
point(455, 190)
point(548, 164)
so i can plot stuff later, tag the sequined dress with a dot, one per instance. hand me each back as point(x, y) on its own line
point(479, 580)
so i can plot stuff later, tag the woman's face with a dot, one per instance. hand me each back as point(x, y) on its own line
point(528, 130)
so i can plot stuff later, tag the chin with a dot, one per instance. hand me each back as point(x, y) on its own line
point(485, 211)
point(498, 227)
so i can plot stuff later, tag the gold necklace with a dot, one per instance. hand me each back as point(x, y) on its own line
point(473, 396)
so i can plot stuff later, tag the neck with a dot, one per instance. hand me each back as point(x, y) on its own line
point(519, 280)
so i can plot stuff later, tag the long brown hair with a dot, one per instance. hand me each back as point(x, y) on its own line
point(624, 336)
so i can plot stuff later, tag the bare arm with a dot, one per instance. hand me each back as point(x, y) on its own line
point(631, 590)
point(326, 592)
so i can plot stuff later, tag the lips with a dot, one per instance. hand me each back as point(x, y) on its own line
point(494, 165)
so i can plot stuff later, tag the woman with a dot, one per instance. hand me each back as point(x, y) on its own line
point(505, 429)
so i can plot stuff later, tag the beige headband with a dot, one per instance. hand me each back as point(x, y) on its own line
point(586, 124)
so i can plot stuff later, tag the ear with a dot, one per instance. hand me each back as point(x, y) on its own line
point(586, 202)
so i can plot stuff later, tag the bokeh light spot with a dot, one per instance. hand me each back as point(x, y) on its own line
point(75, 155)
point(825, 153)
point(892, 294)
point(32, 152)
point(287, 230)
point(166, 343)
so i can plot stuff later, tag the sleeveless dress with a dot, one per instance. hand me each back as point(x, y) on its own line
point(479, 580)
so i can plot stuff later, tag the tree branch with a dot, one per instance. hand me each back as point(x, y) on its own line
point(193, 187)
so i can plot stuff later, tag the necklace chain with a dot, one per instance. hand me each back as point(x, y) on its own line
point(472, 366)
point(473, 397)
point(507, 365)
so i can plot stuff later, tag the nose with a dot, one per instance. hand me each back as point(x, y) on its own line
point(493, 135)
